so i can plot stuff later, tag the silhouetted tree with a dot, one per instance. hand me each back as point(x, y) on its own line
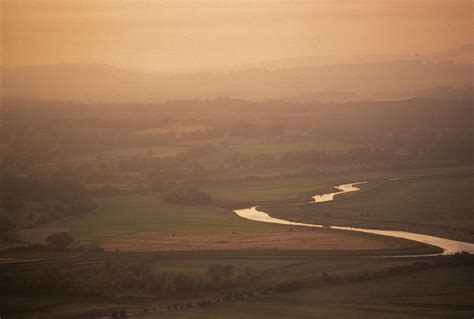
point(59, 241)
point(218, 273)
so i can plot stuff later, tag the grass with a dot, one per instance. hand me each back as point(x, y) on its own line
point(281, 148)
point(265, 190)
point(148, 216)
point(440, 205)
point(302, 188)
point(146, 223)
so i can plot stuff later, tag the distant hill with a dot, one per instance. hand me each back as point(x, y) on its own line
point(325, 96)
point(96, 82)
point(443, 92)
point(66, 81)
point(440, 92)
point(319, 60)
point(464, 54)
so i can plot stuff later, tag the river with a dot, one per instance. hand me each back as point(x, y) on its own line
point(448, 246)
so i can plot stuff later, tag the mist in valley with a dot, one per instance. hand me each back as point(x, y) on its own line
point(236, 159)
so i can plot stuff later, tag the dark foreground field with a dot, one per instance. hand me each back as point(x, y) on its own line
point(263, 285)
point(403, 296)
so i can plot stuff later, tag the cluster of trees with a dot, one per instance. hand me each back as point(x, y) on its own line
point(59, 241)
point(459, 259)
point(138, 275)
point(48, 281)
point(118, 275)
point(176, 178)
point(67, 130)
point(56, 242)
point(43, 200)
point(459, 147)
point(220, 273)
point(56, 195)
point(186, 194)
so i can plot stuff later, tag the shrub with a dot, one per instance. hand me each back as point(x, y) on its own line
point(59, 241)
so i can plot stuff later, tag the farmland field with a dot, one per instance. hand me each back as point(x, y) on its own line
point(146, 223)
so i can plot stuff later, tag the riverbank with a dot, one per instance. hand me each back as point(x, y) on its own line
point(447, 246)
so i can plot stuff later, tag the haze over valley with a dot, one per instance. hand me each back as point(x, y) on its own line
point(236, 159)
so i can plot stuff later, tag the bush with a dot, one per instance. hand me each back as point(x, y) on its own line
point(59, 241)
point(219, 273)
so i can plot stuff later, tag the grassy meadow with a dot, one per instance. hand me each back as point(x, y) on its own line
point(439, 204)
point(147, 223)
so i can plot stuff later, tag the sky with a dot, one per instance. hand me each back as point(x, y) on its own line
point(166, 35)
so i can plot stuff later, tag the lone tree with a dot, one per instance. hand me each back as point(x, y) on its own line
point(218, 273)
point(59, 241)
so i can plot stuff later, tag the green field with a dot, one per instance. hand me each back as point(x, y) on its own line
point(291, 188)
point(440, 205)
point(147, 217)
point(146, 223)
point(279, 189)
point(282, 189)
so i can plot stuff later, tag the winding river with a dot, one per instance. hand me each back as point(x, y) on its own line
point(448, 246)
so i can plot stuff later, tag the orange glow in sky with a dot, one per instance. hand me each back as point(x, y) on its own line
point(181, 34)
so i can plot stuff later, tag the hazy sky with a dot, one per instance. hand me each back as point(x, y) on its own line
point(179, 34)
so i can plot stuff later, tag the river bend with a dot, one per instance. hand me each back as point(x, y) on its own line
point(448, 246)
